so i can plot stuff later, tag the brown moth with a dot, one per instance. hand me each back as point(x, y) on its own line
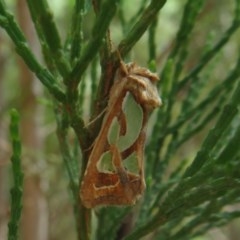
point(118, 185)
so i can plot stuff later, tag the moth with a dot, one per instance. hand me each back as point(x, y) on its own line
point(107, 179)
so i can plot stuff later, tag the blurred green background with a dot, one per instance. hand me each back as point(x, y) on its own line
point(46, 200)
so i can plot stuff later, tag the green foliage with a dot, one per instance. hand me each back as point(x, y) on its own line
point(190, 182)
point(16, 191)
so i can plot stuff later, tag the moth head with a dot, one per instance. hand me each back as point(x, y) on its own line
point(142, 84)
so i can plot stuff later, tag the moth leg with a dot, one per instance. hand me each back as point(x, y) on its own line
point(117, 162)
point(140, 153)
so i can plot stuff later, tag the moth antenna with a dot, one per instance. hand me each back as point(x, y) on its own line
point(91, 146)
point(96, 118)
point(121, 63)
point(119, 55)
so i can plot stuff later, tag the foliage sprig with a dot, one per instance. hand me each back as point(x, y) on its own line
point(17, 190)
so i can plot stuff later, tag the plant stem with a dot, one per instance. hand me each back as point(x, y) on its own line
point(48, 34)
point(141, 26)
point(16, 191)
point(8, 23)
